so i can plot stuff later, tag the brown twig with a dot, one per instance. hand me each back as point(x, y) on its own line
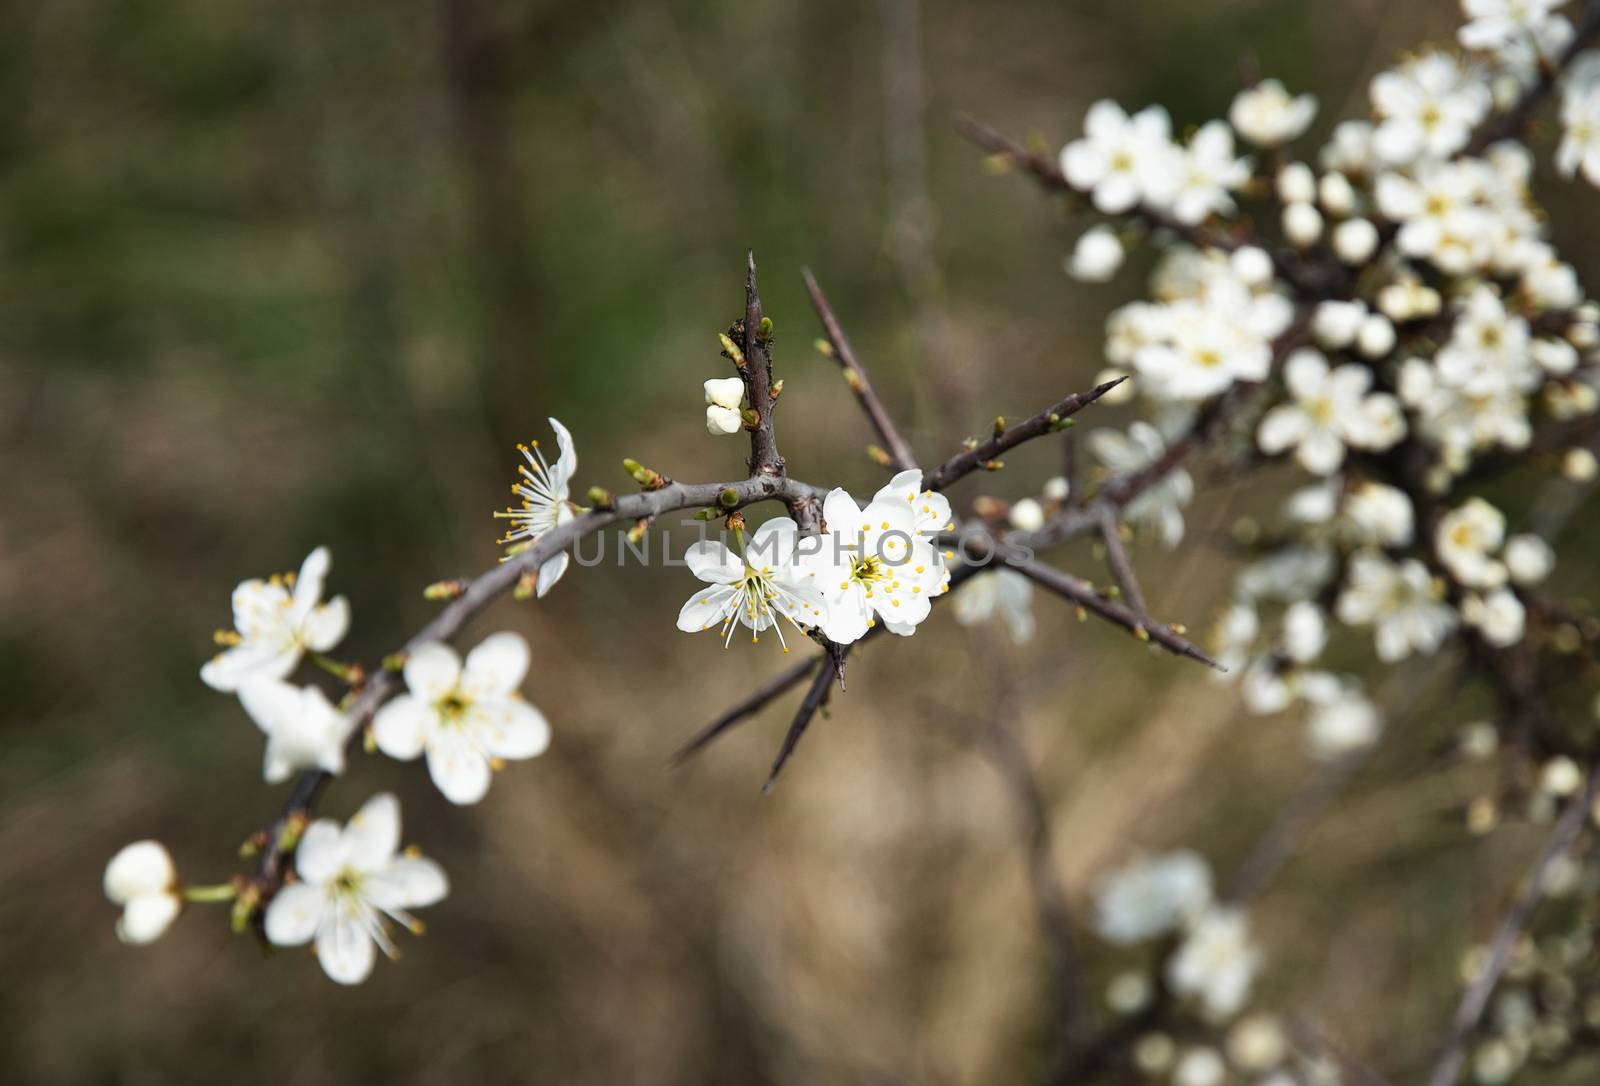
point(757, 374)
point(751, 704)
point(1475, 1000)
point(1048, 421)
point(1117, 561)
point(816, 697)
point(901, 458)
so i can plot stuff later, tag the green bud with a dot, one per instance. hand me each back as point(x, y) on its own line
point(728, 498)
point(824, 348)
point(999, 425)
point(731, 349)
point(777, 388)
point(601, 498)
point(707, 514)
point(1058, 424)
point(764, 329)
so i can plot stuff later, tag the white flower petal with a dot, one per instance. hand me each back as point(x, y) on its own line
point(325, 626)
point(408, 883)
point(711, 561)
point(309, 582)
point(373, 833)
point(345, 949)
point(293, 914)
point(227, 671)
point(551, 572)
point(459, 770)
point(497, 665)
point(510, 728)
point(144, 867)
point(706, 608)
point(566, 465)
point(399, 727)
point(432, 670)
point(322, 851)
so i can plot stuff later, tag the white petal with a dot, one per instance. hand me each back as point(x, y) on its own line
point(407, 884)
point(261, 608)
point(293, 913)
point(706, 608)
point(269, 702)
point(345, 950)
point(773, 544)
point(496, 666)
point(1283, 426)
point(144, 867)
point(551, 572)
point(432, 670)
point(308, 583)
point(227, 671)
point(566, 465)
point(459, 770)
point(325, 626)
point(147, 917)
point(372, 835)
point(711, 561)
point(842, 515)
point(399, 727)
point(321, 853)
point(510, 728)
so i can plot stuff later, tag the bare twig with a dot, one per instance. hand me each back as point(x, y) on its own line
point(816, 697)
point(1050, 420)
point(753, 703)
point(1117, 561)
point(901, 458)
point(757, 374)
point(1469, 1012)
point(1084, 595)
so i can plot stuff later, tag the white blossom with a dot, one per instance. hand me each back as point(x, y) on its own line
point(1341, 720)
point(545, 501)
point(1355, 241)
point(1499, 616)
point(1216, 963)
point(1379, 514)
point(303, 729)
point(1427, 107)
point(1498, 23)
point(142, 879)
point(1026, 515)
point(1123, 161)
point(1467, 539)
point(1330, 410)
point(767, 583)
point(351, 884)
point(1159, 507)
point(1001, 593)
point(1399, 600)
point(1152, 897)
point(1529, 559)
point(1208, 175)
point(1201, 1066)
point(881, 562)
point(1268, 116)
point(276, 621)
point(1097, 255)
point(1580, 136)
point(466, 719)
point(1302, 224)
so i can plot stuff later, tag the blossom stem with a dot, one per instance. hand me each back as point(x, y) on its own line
point(225, 892)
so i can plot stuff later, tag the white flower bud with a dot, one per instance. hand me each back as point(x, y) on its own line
point(1376, 337)
point(1199, 1067)
point(1584, 335)
point(1057, 489)
point(1096, 257)
point(1579, 465)
point(1027, 515)
point(721, 421)
point(1355, 240)
point(1302, 224)
point(1297, 184)
point(1529, 559)
point(144, 867)
point(1560, 777)
point(1252, 266)
point(1478, 740)
point(1257, 1044)
point(1153, 1053)
point(1336, 324)
point(1336, 195)
point(726, 392)
point(1129, 993)
point(142, 879)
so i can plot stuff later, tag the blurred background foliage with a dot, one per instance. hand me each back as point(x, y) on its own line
point(279, 276)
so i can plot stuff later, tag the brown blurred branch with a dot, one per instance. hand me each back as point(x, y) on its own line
point(901, 458)
point(1563, 836)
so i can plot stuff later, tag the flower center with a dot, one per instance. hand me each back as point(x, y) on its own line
point(452, 707)
point(868, 569)
point(347, 883)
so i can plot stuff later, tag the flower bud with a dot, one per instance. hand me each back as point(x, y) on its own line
point(1302, 225)
point(142, 879)
point(1336, 195)
point(1376, 336)
point(722, 421)
point(1096, 257)
point(1252, 266)
point(725, 391)
point(1355, 240)
point(1296, 184)
point(731, 349)
point(1027, 515)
